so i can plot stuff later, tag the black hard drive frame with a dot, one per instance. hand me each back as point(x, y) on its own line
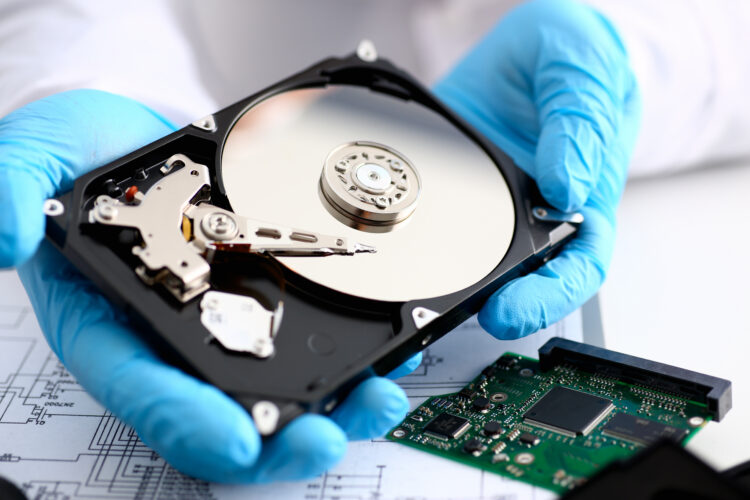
point(368, 337)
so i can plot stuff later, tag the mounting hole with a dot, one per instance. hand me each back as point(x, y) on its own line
point(524, 459)
point(194, 173)
point(53, 207)
point(696, 421)
point(499, 397)
point(398, 433)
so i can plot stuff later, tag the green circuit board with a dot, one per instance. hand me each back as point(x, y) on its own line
point(552, 429)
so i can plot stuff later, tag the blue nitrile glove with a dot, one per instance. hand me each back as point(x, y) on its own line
point(551, 85)
point(197, 428)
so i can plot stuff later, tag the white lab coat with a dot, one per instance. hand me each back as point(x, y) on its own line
point(187, 58)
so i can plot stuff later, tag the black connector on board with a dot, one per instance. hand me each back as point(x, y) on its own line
point(715, 392)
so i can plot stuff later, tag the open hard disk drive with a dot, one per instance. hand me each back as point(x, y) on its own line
point(313, 234)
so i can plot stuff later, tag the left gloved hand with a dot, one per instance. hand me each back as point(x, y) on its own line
point(197, 428)
point(552, 86)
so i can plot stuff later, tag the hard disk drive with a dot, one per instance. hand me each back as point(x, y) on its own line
point(311, 235)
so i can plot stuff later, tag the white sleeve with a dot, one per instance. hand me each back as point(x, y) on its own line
point(133, 48)
point(690, 59)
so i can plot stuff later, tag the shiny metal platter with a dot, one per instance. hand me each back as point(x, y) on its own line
point(457, 226)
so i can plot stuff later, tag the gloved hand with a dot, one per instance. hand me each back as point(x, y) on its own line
point(551, 86)
point(194, 426)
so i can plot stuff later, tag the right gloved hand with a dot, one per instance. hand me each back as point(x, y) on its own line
point(197, 428)
point(552, 86)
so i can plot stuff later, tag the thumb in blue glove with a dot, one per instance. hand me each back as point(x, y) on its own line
point(194, 426)
point(552, 86)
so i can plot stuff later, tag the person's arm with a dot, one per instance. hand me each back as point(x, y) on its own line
point(690, 61)
point(137, 49)
point(687, 55)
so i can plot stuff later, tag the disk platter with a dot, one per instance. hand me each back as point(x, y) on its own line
point(271, 166)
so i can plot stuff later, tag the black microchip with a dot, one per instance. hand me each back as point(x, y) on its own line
point(641, 430)
point(568, 411)
point(481, 404)
point(467, 394)
point(446, 426)
point(474, 446)
point(528, 439)
point(506, 362)
point(492, 428)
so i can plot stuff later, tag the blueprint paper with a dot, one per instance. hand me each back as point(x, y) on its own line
point(57, 443)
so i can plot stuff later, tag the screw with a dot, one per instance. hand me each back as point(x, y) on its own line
point(220, 223)
point(220, 226)
point(106, 211)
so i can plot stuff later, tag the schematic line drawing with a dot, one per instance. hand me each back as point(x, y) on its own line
point(58, 443)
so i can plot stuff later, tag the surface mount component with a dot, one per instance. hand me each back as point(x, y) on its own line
point(314, 234)
point(568, 421)
point(641, 430)
point(447, 426)
point(568, 411)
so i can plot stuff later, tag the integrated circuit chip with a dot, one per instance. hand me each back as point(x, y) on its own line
point(446, 426)
point(641, 430)
point(467, 393)
point(568, 411)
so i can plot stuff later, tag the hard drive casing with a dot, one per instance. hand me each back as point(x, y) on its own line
point(328, 341)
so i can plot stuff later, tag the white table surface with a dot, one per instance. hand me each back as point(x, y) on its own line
point(678, 290)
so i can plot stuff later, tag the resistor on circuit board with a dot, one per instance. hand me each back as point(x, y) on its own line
point(499, 447)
